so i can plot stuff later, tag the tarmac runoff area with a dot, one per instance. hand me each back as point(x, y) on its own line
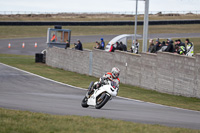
point(29, 49)
point(31, 92)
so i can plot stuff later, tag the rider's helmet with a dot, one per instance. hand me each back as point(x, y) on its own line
point(115, 72)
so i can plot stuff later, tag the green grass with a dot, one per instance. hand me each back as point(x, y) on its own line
point(27, 63)
point(28, 122)
point(41, 31)
point(24, 121)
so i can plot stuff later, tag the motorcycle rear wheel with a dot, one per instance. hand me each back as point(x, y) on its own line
point(102, 100)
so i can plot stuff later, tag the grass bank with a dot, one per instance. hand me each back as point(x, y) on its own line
point(28, 122)
point(27, 63)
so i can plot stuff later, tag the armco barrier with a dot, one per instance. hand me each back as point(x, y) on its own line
point(99, 23)
point(163, 72)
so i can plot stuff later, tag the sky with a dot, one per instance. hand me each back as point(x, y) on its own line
point(97, 5)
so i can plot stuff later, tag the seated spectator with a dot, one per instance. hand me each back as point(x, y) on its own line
point(181, 50)
point(170, 47)
point(78, 46)
point(158, 46)
point(164, 46)
point(181, 44)
point(98, 45)
point(190, 48)
point(151, 46)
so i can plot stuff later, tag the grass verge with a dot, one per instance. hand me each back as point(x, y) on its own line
point(27, 63)
point(41, 31)
point(28, 122)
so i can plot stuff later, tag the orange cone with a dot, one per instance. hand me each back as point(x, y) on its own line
point(23, 45)
point(35, 44)
point(9, 45)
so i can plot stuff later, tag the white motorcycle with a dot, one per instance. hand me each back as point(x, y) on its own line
point(101, 95)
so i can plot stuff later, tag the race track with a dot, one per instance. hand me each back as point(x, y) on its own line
point(24, 91)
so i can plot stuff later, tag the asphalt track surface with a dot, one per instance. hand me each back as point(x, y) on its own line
point(24, 91)
point(16, 44)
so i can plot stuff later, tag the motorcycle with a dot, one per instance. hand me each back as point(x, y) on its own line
point(100, 96)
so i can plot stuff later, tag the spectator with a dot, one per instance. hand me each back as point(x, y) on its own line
point(181, 44)
point(170, 47)
point(112, 48)
point(117, 46)
point(181, 50)
point(98, 45)
point(151, 46)
point(158, 46)
point(176, 47)
point(67, 44)
point(164, 46)
point(190, 48)
point(102, 44)
point(135, 47)
point(124, 47)
point(78, 46)
point(121, 46)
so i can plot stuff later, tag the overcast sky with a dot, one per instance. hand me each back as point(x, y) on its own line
point(96, 5)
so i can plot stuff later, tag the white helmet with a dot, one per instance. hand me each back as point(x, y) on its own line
point(115, 72)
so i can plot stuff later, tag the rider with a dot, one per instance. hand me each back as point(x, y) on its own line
point(113, 75)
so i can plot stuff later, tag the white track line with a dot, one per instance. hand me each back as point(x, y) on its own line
point(85, 89)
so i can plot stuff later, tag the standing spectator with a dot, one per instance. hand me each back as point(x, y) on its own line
point(112, 48)
point(121, 46)
point(78, 46)
point(54, 38)
point(170, 47)
point(151, 46)
point(117, 46)
point(67, 44)
point(102, 44)
point(190, 48)
point(135, 47)
point(124, 47)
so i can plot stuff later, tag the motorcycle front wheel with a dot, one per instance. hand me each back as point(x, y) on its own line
point(84, 102)
point(101, 100)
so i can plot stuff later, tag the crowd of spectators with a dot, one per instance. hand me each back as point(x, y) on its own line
point(169, 45)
